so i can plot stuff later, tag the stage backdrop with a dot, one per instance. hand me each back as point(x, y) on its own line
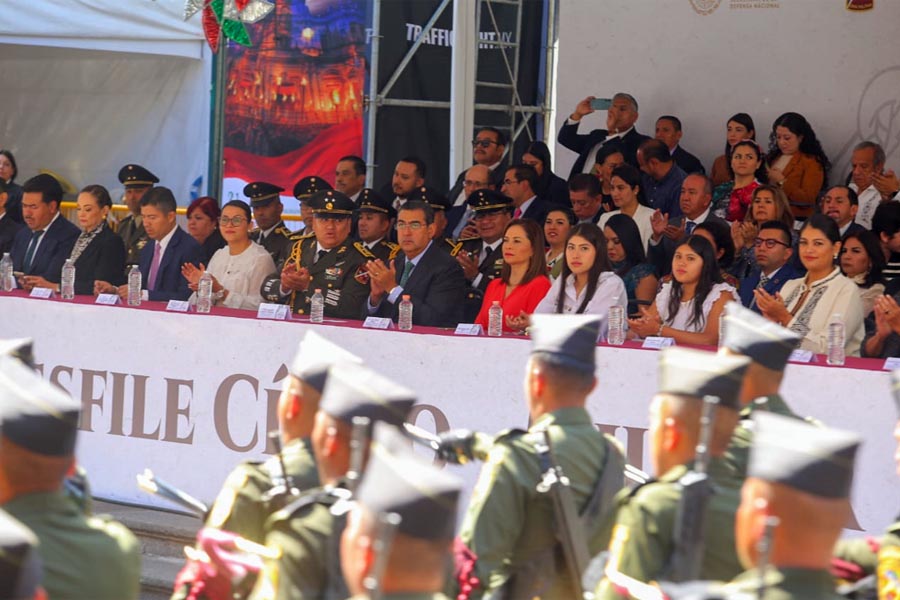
point(704, 60)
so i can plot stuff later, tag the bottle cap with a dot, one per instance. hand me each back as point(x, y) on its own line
point(406, 296)
point(318, 290)
point(496, 303)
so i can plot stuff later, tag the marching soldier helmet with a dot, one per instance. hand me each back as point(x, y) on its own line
point(695, 373)
point(758, 338)
point(315, 355)
point(21, 348)
point(568, 340)
point(309, 186)
point(20, 565)
point(371, 201)
point(136, 176)
point(355, 390)
point(262, 193)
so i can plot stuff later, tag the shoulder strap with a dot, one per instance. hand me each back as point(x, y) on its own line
point(361, 248)
point(394, 253)
point(609, 483)
point(455, 247)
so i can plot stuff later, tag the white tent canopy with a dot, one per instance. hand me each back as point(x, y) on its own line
point(90, 85)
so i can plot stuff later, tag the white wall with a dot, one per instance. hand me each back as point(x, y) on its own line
point(839, 68)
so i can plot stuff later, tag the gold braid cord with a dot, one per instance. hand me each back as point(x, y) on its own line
point(296, 254)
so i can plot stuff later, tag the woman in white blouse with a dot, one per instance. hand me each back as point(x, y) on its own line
point(625, 191)
point(688, 307)
point(239, 268)
point(807, 305)
point(587, 283)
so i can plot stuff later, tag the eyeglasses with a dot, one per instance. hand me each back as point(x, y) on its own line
point(769, 243)
point(483, 143)
point(414, 225)
point(235, 221)
point(468, 183)
point(510, 181)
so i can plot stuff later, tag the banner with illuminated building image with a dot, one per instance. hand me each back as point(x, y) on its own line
point(294, 99)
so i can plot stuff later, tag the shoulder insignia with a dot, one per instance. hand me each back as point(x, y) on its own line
point(342, 249)
point(455, 246)
point(221, 509)
point(284, 231)
point(361, 248)
point(509, 434)
point(390, 245)
point(394, 253)
point(301, 235)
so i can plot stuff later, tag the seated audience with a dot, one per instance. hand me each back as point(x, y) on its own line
point(608, 159)
point(238, 269)
point(41, 247)
point(668, 131)
point(688, 307)
point(137, 180)
point(806, 305)
point(841, 204)
point(738, 128)
point(523, 283)
point(620, 119)
point(661, 179)
point(350, 176)
point(376, 218)
point(732, 198)
point(797, 162)
point(772, 264)
point(767, 203)
point(8, 226)
point(409, 174)
point(477, 177)
point(719, 236)
point(551, 188)
point(8, 173)
point(628, 259)
point(862, 261)
point(882, 338)
point(203, 225)
point(867, 162)
point(626, 192)
point(560, 220)
point(585, 197)
point(886, 225)
point(519, 185)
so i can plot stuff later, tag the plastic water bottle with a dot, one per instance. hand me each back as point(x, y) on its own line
point(134, 286)
point(317, 307)
point(836, 340)
point(67, 283)
point(404, 321)
point(7, 279)
point(615, 335)
point(204, 293)
point(495, 319)
point(721, 329)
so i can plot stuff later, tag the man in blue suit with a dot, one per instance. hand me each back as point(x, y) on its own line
point(162, 258)
point(773, 263)
point(40, 249)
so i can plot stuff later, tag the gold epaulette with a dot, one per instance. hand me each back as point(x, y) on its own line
point(390, 245)
point(286, 232)
point(455, 246)
point(468, 239)
point(361, 248)
point(394, 253)
point(300, 235)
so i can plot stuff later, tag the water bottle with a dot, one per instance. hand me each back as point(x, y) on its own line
point(7, 279)
point(67, 283)
point(721, 328)
point(204, 293)
point(317, 307)
point(615, 335)
point(495, 320)
point(134, 286)
point(404, 322)
point(836, 340)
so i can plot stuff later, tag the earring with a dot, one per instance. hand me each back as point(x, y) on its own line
point(835, 257)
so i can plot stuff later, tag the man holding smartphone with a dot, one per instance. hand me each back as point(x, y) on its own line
point(621, 115)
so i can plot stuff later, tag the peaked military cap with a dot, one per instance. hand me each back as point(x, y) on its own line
point(314, 356)
point(371, 201)
point(21, 348)
point(753, 335)
point(310, 185)
point(570, 340)
point(332, 203)
point(397, 480)
point(814, 460)
point(36, 414)
point(430, 196)
point(20, 566)
point(354, 390)
point(136, 176)
point(697, 373)
point(262, 192)
point(485, 201)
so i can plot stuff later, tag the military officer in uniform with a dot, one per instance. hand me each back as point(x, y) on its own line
point(137, 180)
point(397, 481)
point(83, 556)
point(375, 222)
point(329, 260)
point(304, 191)
point(508, 532)
point(643, 537)
point(306, 533)
point(271, 232)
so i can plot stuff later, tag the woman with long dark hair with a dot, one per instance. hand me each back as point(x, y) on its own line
point(748, 169)
point(557, 225)
point(739, 127)
point(625, 250)
point(797, 162)
point(626, 190)
point(551, 187)
point(862, 260)
point(688, 307)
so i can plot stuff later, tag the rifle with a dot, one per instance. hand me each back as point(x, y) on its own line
point(148, 482)
point(763, 550)
point(384, 537)
point(690, 521)
point(285, 487)
point(358, 440)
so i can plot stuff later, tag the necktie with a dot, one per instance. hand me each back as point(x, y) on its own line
point(517, 214)
point(154, 267)
point(689, 227)
point(32, 246)
point(485, 252)
point(320, 254)
point(763, 280)
point(262, 238)
point(407, 270)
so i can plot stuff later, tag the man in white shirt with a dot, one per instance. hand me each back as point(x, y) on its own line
point(867, 161)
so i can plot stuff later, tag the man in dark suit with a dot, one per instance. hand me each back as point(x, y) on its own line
point(620, 119)
point(432, 279)
point(41, 247)
point(773, 263)
point(488, 148)
point(162, 258)
point(586, 198)
point(8, 226)
point(519, 184)
point(668, 131)
point(696, 196)
point(841, 203)
point(459, 216)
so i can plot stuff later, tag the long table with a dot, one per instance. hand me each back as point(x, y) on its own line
point(190, 395)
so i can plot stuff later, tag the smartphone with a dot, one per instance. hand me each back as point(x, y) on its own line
point(601, 103)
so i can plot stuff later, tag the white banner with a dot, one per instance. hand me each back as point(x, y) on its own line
point(189, 395)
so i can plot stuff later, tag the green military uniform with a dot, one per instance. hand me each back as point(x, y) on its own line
point(277, 243)
point(247, 498)
point(384, 250)
point(864, 551)
point(20, 565)
point(738, 452)
point(509, 526)
point(131, 230)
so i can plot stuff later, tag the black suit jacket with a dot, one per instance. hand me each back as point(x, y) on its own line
point(55, 247)
point(170, 283)
point(687, 161)
point(537, 211)
point(436, 288)
point(8, 230)
point(102, 260)
point(854, 228)
point(583, 142)
point(660, 255)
